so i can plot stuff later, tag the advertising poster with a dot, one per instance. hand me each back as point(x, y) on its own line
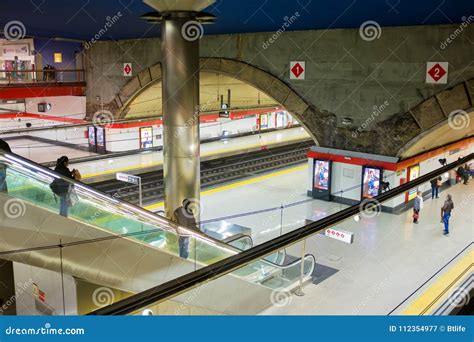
point(100, 140)
point(322, 179)
point(371, 182)
point(321, 174)
point(91, 138)
point(146, 137)
point(263, 121)
point(413, 173)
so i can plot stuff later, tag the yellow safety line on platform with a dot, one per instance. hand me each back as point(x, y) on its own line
point(436, 292)
point(237, 184)
point(209, 153)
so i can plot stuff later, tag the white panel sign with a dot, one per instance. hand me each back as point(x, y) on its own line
point(297, 70)
point(124, 177)
point(437, 72)
point(340, 235)
point(127, 69)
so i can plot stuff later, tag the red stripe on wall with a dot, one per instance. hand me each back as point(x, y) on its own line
point(393, 166)
point(22, 92)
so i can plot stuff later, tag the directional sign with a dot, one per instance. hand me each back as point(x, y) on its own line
point(437, 72)
point(297, 70)
point(124, 177)
point(340, 235)
point(127, 69)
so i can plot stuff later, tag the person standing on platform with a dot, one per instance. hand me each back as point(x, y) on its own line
point(446, 213)
point(435, 185)
point(184, 216)
point(417, 206)
point(3, 168)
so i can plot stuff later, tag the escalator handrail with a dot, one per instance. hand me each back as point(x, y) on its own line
point(271, 263)
point(162, 222)
point(190, 280)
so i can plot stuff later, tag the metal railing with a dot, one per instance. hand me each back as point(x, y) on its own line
point(189, 281)
point(18, 76)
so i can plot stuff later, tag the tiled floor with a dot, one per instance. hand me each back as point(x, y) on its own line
point(390, 256)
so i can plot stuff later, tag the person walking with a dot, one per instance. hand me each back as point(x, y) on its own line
point(417, 206)
point(3, 167)
point(184, 216)
point(63, 188)
point(435, 185)
point(446, 209)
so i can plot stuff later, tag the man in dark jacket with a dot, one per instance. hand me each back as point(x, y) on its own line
point(184, 216)
point(3, 168)
point(62, 186)
point(446, 213)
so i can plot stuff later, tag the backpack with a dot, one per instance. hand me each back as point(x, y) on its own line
point(59, 187)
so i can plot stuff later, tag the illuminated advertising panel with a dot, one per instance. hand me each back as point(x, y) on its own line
point(371, 178)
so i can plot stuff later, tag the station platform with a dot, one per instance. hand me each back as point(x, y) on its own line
point(104, 169)
point(392, 266)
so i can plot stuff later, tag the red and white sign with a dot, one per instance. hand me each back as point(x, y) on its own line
point(297, 70)
point(340, 235)
point(437, 72)
point(127, 69)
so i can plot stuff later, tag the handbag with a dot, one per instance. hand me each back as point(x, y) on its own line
point(71, 197)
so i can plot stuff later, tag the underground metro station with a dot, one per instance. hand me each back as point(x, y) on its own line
point(216, 162)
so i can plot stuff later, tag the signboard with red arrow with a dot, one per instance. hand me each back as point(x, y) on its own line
point(437, 72)
point(127, 69)
point(297, 70)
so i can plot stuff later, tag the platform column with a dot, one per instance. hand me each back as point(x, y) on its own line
point(180, 69)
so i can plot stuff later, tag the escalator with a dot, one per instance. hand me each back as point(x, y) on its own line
point(116, 244)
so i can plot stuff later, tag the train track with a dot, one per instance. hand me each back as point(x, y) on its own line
point(212, 172)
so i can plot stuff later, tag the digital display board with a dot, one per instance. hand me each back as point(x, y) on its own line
point(371, 179)
point(322, 179)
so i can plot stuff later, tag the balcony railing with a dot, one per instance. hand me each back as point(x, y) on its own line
point(14, 77)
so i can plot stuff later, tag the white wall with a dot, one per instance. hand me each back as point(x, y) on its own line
point(74, 106)
point(47, 281)
point(346, 178)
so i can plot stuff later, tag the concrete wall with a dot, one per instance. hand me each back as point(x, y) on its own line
point(375, 83)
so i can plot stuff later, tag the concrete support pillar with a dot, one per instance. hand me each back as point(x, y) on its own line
point(180, 70)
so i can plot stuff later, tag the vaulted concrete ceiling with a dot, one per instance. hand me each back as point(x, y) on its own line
point(212, 86)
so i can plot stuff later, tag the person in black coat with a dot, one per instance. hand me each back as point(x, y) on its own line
point(62, 187)
point(3, 168)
